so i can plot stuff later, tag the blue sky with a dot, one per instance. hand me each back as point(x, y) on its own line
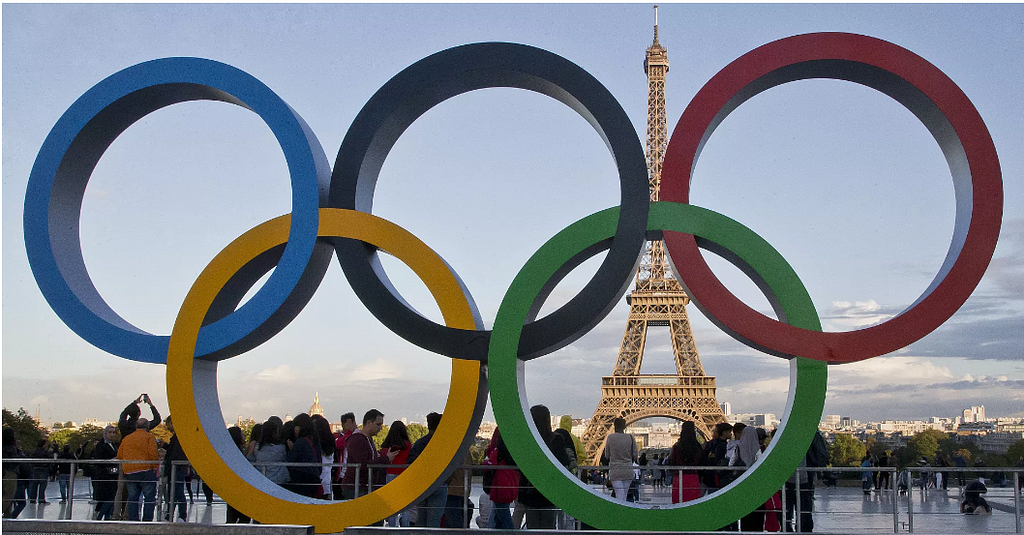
point(842, 180)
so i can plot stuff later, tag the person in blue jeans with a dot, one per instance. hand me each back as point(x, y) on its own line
point(140, 476)
point(142, 484)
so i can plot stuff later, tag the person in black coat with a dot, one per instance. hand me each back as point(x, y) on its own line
point(130, 415)
point(180, 473)
point(40, 474)
point(16, 475)
point(104, 475)
point(540, 512)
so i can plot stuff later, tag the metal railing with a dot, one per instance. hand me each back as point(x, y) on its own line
point(904, 487)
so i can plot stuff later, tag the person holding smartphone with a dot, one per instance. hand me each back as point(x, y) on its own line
point(126, 425)
point(397, 441)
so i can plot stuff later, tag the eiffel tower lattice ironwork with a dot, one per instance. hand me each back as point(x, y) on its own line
point(658, 300)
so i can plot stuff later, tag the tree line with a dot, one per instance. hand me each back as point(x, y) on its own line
point(848, 450)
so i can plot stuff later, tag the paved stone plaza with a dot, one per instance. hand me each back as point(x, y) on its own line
point(837, 510)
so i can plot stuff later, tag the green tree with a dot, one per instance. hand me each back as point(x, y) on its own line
point(846, 450)
point(874, 447)
point(75, 438)
point(25, 428)
point(162, 434)
point(416, 431)
point(247, 430)
point(1015, 452)
point(926, 443)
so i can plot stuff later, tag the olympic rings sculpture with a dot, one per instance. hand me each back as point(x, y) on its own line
point(331, 212)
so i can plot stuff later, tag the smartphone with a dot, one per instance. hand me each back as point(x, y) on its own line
point(396, 448)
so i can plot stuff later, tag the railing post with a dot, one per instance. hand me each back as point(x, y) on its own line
point(894, 485)
point(71, 489)
point(466, 489)
point(796, 505)
point(785, 523)
point(356, 493)
point(910, 501)
point(1016, 500)
point(369, 479)
point(174, 491)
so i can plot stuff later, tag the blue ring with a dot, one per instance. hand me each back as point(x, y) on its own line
point(67, 158)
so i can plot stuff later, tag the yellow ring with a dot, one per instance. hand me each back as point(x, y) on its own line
point(199, 423)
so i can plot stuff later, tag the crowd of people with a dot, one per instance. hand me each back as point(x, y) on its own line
point(304, 455)
point(128, 465)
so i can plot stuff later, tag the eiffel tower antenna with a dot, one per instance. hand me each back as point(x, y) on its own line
point(658, 300)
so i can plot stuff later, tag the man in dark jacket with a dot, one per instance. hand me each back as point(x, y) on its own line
point(431, 508)
point(176, 474)
point(362, 454)
point(105, 476)
point(40, 473)
point(16, 475)
point(714, 454)
point(130, 415)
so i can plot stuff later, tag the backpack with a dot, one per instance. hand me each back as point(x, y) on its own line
point(570, 450)
point(817, 454)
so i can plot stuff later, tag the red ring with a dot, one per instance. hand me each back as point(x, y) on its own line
point(920, 87)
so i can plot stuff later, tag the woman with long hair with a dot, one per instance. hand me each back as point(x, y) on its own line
point(271, 453)
point(397, 439)
point(234, 516)
point(747, 452)
point(685, 452)
point(504, 484)
point(254, 439)
point(540, 512)
point(305, 449)
point(326, 440)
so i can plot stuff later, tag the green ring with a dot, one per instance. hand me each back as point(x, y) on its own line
point(511, 408)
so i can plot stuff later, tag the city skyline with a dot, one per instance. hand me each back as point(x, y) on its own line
point(866, 242)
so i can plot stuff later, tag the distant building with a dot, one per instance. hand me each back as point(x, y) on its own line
point(908, 427)
point(726, 407)
point(486, 430)
point(315, 408)
point(974, 414)
point(766, 419)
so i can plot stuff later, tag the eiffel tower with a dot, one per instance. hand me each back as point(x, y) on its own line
point(658, 300)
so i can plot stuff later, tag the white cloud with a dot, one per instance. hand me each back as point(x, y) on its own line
point(846, 316)
point(279, 374)
point(378, 369)
point(889, 371)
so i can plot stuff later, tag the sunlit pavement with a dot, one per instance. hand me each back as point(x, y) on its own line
point(843, 509)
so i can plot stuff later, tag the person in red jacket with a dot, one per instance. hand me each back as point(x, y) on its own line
point(363, 452)
point(348, 426)
point(397, 440)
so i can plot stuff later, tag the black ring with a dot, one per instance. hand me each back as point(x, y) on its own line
point(435, 79)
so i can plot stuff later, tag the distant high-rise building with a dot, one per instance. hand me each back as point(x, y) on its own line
point(726, 407)
point(979, 413)
point(833, 420)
